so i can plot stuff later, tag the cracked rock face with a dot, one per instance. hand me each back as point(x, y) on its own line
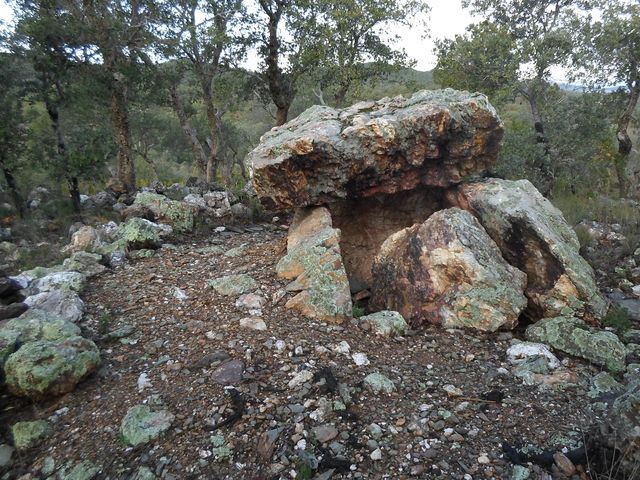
point(434, 138)
point(534, 236)
point(447, 271)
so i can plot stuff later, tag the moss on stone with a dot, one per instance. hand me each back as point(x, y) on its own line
point(44, 368)
point(29, 434)
point(574, 337)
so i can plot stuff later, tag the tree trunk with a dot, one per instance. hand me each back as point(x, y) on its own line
point(74, 193)
point(544, 163)
point(189, 132)
point(13, 188)
point(624, 140)
point(340, 95)
point(120, 117)
point(61, 151)
point(282, 113)
point(281, 87)
point(213, 121)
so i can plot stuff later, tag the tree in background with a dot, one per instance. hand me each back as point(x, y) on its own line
point(117, 35)
point(47, 37)
point(12, 127)
point(481, 60)
point(352, 45)
point(208, 38)
point(537, 34)
point(286, 57)
point(611, 54)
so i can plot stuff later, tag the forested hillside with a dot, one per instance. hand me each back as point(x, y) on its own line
point(140, 91)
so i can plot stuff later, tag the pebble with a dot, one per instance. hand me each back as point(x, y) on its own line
point(253, 323)
point(483, 459)
point(360, 359)
point(325, 433)
point(376, 454)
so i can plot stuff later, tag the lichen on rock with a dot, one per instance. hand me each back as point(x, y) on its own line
point(314, 264)
point(447, 271)
point(573, 336)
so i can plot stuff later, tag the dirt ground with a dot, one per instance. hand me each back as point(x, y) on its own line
point(182, 347)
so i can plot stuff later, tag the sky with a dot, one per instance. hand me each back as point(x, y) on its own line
point(447, 19)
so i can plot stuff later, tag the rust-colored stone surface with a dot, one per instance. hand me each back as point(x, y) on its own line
point(366, 223)
point(447, 271)
point(434, 138)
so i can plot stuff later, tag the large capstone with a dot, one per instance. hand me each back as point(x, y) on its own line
point(448, 271)
point(434, 138)
point(533, 236)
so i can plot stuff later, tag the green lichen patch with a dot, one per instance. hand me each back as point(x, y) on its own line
point(29, 434)
point(180, 215)
point(386, 323)
point(233, 285)
point(141, 424)
point(573, 336)
point(43, 369)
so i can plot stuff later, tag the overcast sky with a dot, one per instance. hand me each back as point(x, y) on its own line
point(447, 19)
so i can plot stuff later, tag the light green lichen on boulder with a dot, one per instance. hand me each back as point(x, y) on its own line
point(85, 263)
point(573, 336)
point(36, 325)
point(233, 285)
point(386, 323)
point(71, 281)
point(180, 215)
point(604, 384)
point(135, 234)
point(29, 434)
point(141, 424)
point(82, 471)
point(43, 369)
point(8, 344)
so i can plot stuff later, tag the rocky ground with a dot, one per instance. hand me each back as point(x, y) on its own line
point(240, 387)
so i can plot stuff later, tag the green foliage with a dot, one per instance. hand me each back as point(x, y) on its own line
point(583, 234)
point(358, 311)
point(618, 319)
point(482, 60)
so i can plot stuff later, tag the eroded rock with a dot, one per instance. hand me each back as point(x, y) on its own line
point(447, 271)
point(314, 264)
point(534, 237)
point(433, 138)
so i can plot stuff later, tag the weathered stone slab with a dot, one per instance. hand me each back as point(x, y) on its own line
point(314, 263)
point(434, 138)
point(447, 271)
point(534, 237)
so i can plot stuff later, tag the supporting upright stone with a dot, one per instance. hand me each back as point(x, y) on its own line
point(314, 264)
point(447, 271)
point(534, 236)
